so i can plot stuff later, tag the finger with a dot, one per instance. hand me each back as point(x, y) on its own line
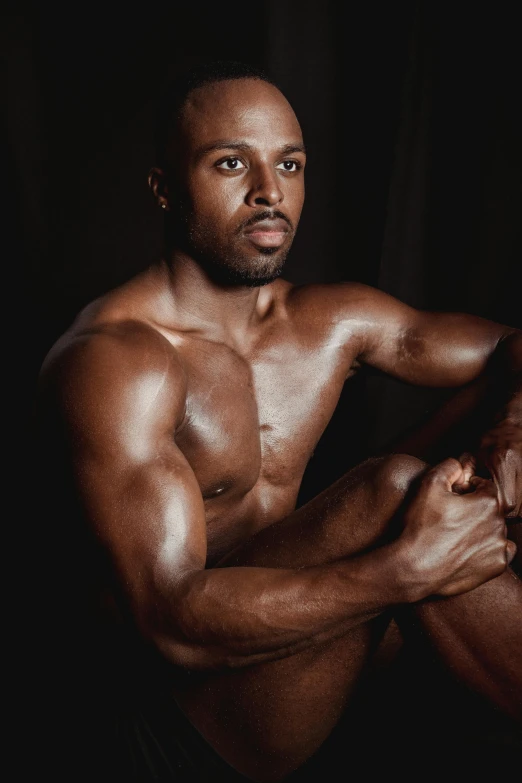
point(511, 550)
point(504, 476)
point(468, 462)
point(484, 486)
point(517, 512)
point(449, 471)
point(469, 465)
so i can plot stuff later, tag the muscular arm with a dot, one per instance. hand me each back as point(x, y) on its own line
point(477, 634)
point(429, 348)
point(122, 396)
point(453, 350)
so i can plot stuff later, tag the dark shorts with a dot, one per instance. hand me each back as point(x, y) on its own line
point(160, 744)
point(157, 742)
point(397, 728)
point(166, 747)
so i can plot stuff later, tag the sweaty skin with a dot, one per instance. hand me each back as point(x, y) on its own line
point(185, 410)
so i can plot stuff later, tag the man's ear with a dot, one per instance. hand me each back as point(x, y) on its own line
point(158, 183)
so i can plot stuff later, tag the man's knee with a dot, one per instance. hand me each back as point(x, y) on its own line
point(395, 473)
point(386, 483)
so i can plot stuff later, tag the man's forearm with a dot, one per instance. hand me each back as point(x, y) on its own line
point(241, 614)
point(233, 617)
point(460, 423)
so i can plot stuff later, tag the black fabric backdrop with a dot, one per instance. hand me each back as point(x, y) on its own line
point(410, 113)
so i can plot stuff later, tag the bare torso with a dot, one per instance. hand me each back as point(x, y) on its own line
point(252, 423)
point(253, 413)
point(201, 477)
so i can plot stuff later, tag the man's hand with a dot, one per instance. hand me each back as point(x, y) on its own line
point(500, 454)
point(456, 540)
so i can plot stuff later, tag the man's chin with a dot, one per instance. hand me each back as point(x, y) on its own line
point(241, 277)
point(252, 274)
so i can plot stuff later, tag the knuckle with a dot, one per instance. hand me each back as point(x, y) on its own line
point(491, 501)
point(497, 561)
point(500, 528)
point(488, 507)
point(432, 478)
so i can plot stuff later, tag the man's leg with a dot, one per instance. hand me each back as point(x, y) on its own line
point(476, 636)
point(267, 719)
point(281, 712)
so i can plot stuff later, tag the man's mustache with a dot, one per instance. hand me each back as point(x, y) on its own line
point(266, 214)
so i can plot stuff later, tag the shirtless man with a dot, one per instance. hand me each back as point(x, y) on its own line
point(181, 410)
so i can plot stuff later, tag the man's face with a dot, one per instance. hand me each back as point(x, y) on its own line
point(240, 157)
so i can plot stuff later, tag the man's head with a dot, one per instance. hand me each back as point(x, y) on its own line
point(230, 160)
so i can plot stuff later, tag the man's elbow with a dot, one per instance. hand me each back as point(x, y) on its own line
point(183, 640)
point(199, 656)
point(175, 634)
point(186, 655)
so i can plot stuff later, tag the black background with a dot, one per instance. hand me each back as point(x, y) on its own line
point(410, 113)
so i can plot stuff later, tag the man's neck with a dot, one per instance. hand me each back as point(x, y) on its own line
point(199, 302)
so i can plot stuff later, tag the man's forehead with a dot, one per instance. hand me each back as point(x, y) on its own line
point(238, 108)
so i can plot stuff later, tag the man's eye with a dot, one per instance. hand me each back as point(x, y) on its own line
point(231, 164)
point(289, 165)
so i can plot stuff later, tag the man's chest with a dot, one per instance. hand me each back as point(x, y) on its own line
point(251, 426)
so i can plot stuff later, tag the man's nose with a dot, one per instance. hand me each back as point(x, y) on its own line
point(264, 188)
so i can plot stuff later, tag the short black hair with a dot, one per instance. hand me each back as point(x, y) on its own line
point(175, 96)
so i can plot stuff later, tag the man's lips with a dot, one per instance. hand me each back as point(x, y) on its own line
point(268, 233)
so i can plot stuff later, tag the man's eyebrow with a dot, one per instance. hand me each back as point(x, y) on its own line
point(289, 148)
point(243, 146)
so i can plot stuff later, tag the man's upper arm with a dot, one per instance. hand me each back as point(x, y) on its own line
point(121, 395)
point(420, 347)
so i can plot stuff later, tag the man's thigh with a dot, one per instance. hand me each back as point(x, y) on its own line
point(267, 719)
point(359, 511)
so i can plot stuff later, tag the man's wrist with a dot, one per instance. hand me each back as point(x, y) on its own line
point(411, 575)
point(389, 574)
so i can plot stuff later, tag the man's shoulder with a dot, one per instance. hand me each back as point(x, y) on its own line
point(102, 349)
point(334, 302)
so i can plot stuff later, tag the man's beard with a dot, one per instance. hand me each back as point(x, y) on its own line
point(226, 264)
point(236, 269)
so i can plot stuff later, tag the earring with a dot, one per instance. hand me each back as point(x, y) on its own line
point(163, 206)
